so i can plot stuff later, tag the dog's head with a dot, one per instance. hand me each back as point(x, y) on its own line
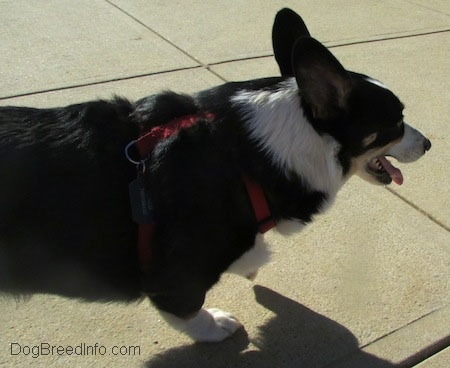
point(360, 113)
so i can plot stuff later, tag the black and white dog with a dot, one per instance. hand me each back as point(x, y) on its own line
point(65, 214)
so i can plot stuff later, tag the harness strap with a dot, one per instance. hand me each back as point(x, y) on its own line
point(145, 234)
point(146, 143)
point(260, 206)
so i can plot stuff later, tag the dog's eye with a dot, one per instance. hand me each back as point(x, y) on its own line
point(400, 123)
point(369, 139)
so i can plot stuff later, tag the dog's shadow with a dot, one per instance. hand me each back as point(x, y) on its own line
point(295, 337)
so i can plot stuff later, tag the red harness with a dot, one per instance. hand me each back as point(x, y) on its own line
point(146, 143)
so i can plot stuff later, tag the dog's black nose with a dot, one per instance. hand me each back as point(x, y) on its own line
point(426, 145)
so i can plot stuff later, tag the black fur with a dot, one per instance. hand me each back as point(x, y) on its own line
point(64, 210)
point(288, 27)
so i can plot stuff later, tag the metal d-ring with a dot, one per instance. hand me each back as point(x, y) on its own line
point(127, 154)
point(140, 165)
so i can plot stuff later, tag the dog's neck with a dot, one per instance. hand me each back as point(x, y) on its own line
point(276, 122)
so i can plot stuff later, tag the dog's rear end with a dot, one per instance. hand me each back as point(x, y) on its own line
point(64, 224)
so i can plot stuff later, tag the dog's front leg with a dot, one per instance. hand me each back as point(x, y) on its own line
point(250, 262)
point(181, 306)
point(207, 325)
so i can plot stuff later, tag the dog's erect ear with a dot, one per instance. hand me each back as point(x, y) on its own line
point(287, 28)
point(322, 80)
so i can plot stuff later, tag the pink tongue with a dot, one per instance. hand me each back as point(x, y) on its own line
point(394, 173)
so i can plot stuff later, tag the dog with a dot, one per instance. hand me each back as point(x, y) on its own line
point(249, 156)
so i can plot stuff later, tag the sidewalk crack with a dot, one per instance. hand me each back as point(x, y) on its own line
point(156, 33)
point(417, 208)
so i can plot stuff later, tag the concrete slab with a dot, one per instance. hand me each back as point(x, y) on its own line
point(363, 263)
point(260, 67)
point(219, 32)
point(184, 81)
point(53, 44)
point(52, 321)
point(417, 342)
point(439, 360)
point(441, 6)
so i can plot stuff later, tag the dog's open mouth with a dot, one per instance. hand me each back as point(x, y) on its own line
point(381, 168)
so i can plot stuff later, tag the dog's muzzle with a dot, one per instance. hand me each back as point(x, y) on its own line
point(412, 146)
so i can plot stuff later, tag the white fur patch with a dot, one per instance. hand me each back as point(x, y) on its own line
point(275, 120)
point(208, 325)
point(410, 148)
point(376, 82)
point(249, 263)
point(289, 227)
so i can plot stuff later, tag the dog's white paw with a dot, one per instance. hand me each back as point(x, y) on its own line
point(208, 325)
point(212, 325)
point(225, 325)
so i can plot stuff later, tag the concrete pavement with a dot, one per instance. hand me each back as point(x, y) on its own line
point(366, 285)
